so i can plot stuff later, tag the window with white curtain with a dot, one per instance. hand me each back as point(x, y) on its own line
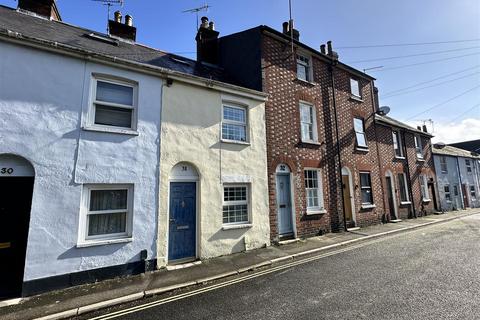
point(308, 123)
point(360, 135)
point(113, 104)
point(107, 212)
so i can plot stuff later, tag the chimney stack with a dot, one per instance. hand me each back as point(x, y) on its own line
point(122, 30)
point(45, 8)
point(375, 98)
point(419, 128)
point(425, 128)
point(330, 51)
point(289, 30)
point(322, 49)
point(207, 42)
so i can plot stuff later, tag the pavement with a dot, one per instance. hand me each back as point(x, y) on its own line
point(84, 299)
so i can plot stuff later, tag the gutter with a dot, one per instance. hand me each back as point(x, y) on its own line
point(64, 49)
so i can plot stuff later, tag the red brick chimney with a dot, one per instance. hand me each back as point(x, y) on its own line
point(207, 42)
point(45, 8)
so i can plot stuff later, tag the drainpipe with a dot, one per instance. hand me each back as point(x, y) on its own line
point(410, 189)
point(332, 75)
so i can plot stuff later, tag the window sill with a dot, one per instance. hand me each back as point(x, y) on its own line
point(237, 226)
point(426, 200)
point(92, 243)
point(404, 203)
point(400, 158)
point(314, 143)
point(368, 206)
point(316, 212)
point(362, 149)
point(356, 98)
point(306, 81)
point(420, 159)
point(111, 130)
point(243, 143)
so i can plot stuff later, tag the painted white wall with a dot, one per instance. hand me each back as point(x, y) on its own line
point(191, 128)
point(451, 178)
point(470, 179)
point(42, 104)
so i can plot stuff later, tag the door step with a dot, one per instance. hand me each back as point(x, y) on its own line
point(353, 229)
point(396, 220)
point(183, 265)
point(288, 241)
point(10, 302)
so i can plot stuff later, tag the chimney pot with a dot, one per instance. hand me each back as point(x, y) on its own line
point(129, 20)
point(322, 49)
point(204, 23)
point(329, 48)
point(425, 128)
point(118, 16)
point(419, 128)
point(211, 25)
point(285, 27)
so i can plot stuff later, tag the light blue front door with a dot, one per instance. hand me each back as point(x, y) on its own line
point(182, 233)
point(284, 205)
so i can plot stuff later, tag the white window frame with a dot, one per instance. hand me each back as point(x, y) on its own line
point(448, 194)
point(405, 185)
point(355, 83)
point(313, 124)
point(308, 66)
point(83, 238)
point(443, 164)
point(237, 123)
point(468, 166)
point(473, 193)
point(365, 147)
point(362, 188)
point(239, 202)
point(418, 146)
point(424, 187)
point(397, 144)
point(319, 190)
point(93, 102)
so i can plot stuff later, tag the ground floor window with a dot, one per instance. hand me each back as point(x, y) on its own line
point(403, 187)
point(107, 212)
point(366, 188)
point(446, 190)
point(313, 190)
point(473, 194)
point(235, 204)
point(424, 187)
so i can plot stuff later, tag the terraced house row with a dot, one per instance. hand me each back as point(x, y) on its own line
point(116, 158)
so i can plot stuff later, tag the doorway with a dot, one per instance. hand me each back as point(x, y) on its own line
point(284, 202)
point(182, 235)
point(465, 197)
point(16, 190)
point(348, 201)
point(392, 203)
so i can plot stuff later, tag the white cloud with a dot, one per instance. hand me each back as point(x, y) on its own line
point(467, 129)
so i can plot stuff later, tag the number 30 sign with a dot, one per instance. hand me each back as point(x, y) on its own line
point(6, 170)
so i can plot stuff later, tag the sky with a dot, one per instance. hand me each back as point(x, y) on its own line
point(437, 81)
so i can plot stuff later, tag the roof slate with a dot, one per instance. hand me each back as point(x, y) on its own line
point(63, 33)
point(455, 152)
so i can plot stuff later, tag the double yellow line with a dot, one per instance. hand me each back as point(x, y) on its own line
point(181, 296)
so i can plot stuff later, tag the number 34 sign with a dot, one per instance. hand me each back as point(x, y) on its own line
point(7, 171)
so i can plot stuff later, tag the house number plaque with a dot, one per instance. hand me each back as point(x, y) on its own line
point(6, 170)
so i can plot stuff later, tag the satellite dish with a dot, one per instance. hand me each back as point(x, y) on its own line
point(383, 111)
point(439, 145)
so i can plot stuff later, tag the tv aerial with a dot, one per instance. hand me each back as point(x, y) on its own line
point(109, 4)
point(205, 8)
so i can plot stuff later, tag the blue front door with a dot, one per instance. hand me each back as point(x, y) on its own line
point(182, 238)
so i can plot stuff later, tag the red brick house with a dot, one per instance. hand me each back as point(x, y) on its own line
point(325, 167)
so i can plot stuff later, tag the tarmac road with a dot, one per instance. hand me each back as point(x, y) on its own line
point(430, 273)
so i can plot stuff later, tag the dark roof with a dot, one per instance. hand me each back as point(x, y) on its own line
point(472, 145)
point(395, 123)
point(55, 31)
point(454, 152)
point(308, 48)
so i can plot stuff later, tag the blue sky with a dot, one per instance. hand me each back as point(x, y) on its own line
point(161, 24)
